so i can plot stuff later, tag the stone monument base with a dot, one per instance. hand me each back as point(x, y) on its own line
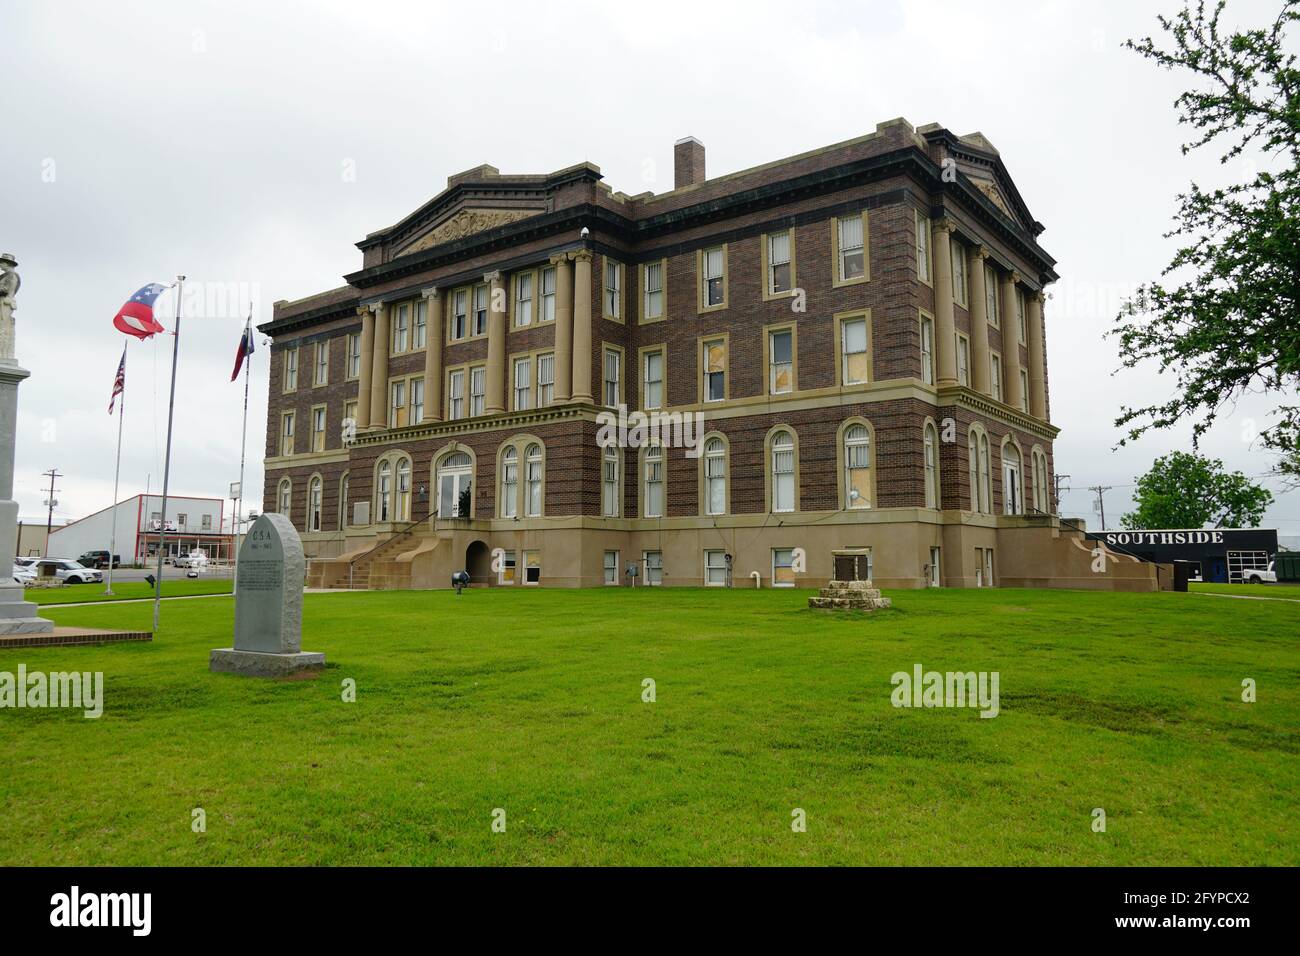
point(228, 660)
point(849, 596)
point(18, 616)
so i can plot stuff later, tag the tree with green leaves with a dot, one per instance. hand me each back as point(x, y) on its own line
point(1183, 490)
point(1224, 315)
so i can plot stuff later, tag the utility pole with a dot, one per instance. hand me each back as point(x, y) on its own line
point(1056, 492)
point(1101, 501)
point(50, 503)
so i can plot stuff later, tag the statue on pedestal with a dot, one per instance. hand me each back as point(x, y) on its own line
point(9, 285)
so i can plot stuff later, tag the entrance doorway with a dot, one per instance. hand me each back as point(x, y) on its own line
point(478, 562)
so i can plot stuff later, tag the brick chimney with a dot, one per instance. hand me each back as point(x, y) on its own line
point(688, 162)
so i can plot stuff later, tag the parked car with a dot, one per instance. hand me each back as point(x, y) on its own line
point(1260, 575)
point(195, 561)
point(67, 571)
point(23, 575)
point(24, 562)
point(99, 559)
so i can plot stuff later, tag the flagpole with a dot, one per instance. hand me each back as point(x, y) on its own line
point(117, 472)
point(167, 462)
point(243, 447)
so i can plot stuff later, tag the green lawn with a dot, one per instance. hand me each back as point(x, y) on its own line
point(126, 591)
point(1285, 589)
point(530, 700)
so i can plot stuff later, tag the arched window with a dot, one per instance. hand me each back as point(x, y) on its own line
point(981, 480)
point(402, 505)
point(857, 467)
point(931, 443)
point(1013, 502)
point(455, 484)
point(285, 497)
point(1038, 462)
point(344, 518)
point(610, 479)
point(652, 499)
point(509, 482)
point(783, 490)
point(986, 477)
point(314, 503)
point(384, 492)
point(973, 456)
point(715, 476)
point(533, 478)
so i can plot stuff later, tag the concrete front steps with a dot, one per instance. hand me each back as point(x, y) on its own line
point(849, 596)
point(386, 566)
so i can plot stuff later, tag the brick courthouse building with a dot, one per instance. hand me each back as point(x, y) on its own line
point(861, 328)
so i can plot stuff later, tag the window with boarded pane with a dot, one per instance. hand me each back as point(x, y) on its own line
point(853, 344)
point(780, 346)
point(783, 567)
point(715, 370)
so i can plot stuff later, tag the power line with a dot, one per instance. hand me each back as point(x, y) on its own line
point(1101, 501)
point(50, 502)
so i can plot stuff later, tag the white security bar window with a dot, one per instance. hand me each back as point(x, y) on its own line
point(778, 263)
point(613, 374)
point(459, 314)
point(857, 467)
point(652, 505)
point(533, 479)
point(545, 380)
point(477, 390)
point(509, 482)
point(853, 345)
point(715, 569)
point(715, 476)
point(456, 396)
point(782, 567)
point(963, 360)
point(654, 290)
point(995, 375)
point(402, 329)
point(384, 491)
point(548, 295)
point(454, 483)
point(991, 297)
point(421, 336)
point(653, 393)
point(922, 248)
point(286, 498)
point(524, 299)
point(313, 505)
point(417, 401)
point(318, 429)
point(480, 309)
point(286, 434)
point(397, 405)
point(713, 276)
point(613, 288)
point(402, 511)
point(523, 384)
point(322, 375)
point(611, 567)
point(290, 369)
point(853, 263)
point(780, 347)
point(354, 355)
point(931, 467)
point(715, 371)
point(927, 350)
point(958, 252)
point(610, 477)
point(783, 490)
point(654, 567)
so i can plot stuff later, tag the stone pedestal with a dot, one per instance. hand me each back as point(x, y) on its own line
point(849, 596)
point(17, 616)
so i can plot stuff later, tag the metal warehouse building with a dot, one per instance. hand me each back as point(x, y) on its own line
point(1224, 555)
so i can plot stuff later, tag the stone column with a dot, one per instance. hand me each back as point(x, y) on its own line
point(563, 328)
point(945, 329)
point(980, 374)
point(496, 356)
point(1037, 357)
point(1011, 391)
point(582, 326)
point(432, 355)
point(367, 360)
point(379, 369)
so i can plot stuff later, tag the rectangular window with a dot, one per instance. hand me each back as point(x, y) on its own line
point(291, 369)
point(652, 503)
point(958, 271)
point(1020, 316)
point(715, 569)
point(654, 567)
point(477, 390)
point(350, 416)
point(481, 293)
point(613, 289)
point(548, 295)
point(778, 263)
point(991, 297)
point(652, 394)
point(613, 377)
point(545, 379)
point(715, 370)
point(611, 567)
point(523, 384)
point(927, 350)
point(963, 360)
point(420, 338)
point(923, 248)
point(853, 343)
point(1024, 390)
point(995, 375)
point(286, 434)
point(852, 248)
point(182, 521)
point(934, 567)
point(354, 355)
point(654, 290)
point(507, 574)
point(782, 567)
point(459, 314)
point(321, 374)
point(524, 299)
point(780, 358)
point(206, 523)
point(609, 503)
point(532, 567)
point(318, 429)
point(456, 395)
point(714, 290)
point(397, 405)
point(417, 401)
point(402, 329)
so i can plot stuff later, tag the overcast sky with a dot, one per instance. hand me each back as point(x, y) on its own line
point(249, 145)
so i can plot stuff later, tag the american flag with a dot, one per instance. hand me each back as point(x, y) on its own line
point(119, 382)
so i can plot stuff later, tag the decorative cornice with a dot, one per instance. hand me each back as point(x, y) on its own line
point(482, 423)
point(966, 397)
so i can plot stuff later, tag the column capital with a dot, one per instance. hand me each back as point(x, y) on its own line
point(493, 276)
point(1039, 296)
point(979, 252)
point(376, 307)
point(581, 255)
point(430, 293)
point(1014, 277)
point(560, 257)
point(943, 224)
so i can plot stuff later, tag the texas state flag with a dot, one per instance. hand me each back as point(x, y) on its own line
point(136, 317)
